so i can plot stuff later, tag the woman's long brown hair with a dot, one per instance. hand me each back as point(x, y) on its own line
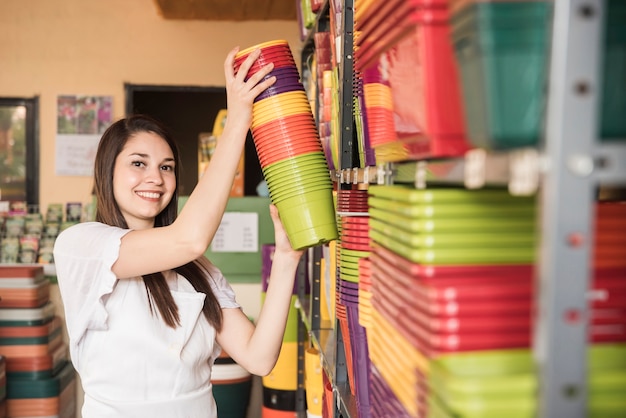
point(108, 212)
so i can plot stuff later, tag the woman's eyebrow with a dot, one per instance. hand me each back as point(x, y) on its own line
point(142, 155)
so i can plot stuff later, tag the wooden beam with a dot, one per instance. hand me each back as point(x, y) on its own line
point(237, 10)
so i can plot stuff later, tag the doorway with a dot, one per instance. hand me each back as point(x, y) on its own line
point(189, 111)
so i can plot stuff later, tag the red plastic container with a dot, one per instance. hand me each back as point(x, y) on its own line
point(433, 125)
point(410, 41)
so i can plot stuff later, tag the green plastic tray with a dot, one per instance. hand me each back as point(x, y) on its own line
point(345, 258)
point(465, 210)
point(488, 397)
point(455, 239)
point(409, 194)
point(456, 256)
point(597, 408)
point(349, 271)
point(606, 406)
point(496, 362)
point(354, 253)
point(477, 384)
point(476, 225)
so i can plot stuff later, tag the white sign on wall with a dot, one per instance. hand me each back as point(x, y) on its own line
point(238, 233)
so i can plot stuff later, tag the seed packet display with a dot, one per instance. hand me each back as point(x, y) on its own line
point(73, 211)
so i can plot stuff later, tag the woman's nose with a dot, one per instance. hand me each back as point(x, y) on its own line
point(154, 175)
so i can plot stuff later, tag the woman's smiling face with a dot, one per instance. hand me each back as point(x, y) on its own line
point(144, 179)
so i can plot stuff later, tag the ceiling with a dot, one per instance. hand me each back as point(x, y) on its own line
point(233, 10)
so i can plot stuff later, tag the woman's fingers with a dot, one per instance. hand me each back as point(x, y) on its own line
point(247, 64)
point(258, 88)
point(258, 77)
point(229, 64)
point(247, 89)
point(274, 213)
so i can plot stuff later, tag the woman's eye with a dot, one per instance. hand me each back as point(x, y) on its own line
point(137, 163)
point(167, 168)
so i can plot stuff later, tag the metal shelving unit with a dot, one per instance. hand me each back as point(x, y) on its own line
point(565, 171)
point(327, 338)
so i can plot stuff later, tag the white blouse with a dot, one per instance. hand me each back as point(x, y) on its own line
point(130, 362)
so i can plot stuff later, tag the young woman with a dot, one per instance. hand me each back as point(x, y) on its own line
point(146, 312)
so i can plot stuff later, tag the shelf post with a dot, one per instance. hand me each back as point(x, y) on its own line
point(566, 199)
point(348, 156)
point(301, 278)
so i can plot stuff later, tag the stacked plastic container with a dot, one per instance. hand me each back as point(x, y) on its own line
point(322, 68)
point(290, 151)
point(378, 115)
point(408, 44)
point(3, 387)
point(353, 246)
point(40, 380)
point(451, 273)
point(502, 49)
point(232, 385)
point(448, 310)
point(313, 383)
point(452, 295)
point(504, 383)
point(361, 111)
point(281, 384)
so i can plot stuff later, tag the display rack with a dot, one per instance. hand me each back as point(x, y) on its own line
point(578, 163)
point(564, 171)
point(327, 337)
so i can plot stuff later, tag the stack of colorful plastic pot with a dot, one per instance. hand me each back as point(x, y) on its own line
point(290, 151)
point(38, 378)
point(378, 107)
point(353, 247)
point(281, 384)
point(451, 272)
point(231, 386)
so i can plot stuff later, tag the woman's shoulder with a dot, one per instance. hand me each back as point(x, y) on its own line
point(85, 234)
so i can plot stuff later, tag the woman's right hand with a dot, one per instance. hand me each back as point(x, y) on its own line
point(240, 93)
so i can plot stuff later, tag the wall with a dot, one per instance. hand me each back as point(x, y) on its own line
point(48, 48)
point(91, 47)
